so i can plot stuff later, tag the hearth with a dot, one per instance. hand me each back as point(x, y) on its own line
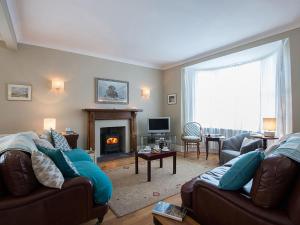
point(112, 140)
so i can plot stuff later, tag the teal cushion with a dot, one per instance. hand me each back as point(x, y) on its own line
point(242, 171)
point(78, 154)
point(101, 183)
point(61, 161)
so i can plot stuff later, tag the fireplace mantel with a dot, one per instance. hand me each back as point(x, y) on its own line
point(112, 114)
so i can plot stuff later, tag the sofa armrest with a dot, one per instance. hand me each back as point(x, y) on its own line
point(214, 206)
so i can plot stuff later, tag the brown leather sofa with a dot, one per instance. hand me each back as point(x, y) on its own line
point(273, 198)
point(24, 201)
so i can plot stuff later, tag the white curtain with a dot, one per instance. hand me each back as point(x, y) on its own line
point(235, 98)
point(189, 95)
point(283, 90)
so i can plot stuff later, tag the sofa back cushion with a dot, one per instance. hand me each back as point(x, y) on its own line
point(273, 180)
point(235, 142)
point(17, 172)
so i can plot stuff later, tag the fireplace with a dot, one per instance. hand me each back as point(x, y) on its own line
point(112, 140)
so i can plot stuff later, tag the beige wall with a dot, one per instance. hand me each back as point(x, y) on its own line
point(172, 78)
point(37, 66)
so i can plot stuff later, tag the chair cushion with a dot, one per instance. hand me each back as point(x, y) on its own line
point(273, 180)
point(191, 138)
point(242, 171)
point(17, 173)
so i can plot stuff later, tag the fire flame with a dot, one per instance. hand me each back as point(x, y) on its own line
point(112, 140)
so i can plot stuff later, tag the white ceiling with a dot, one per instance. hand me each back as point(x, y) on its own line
point(154, 33)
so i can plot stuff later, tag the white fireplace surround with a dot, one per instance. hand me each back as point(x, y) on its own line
point(111, 123)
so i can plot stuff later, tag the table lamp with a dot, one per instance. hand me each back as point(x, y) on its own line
point(49, 123)
point(269, 126)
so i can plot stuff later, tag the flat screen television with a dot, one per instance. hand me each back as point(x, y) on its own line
point(159, 125)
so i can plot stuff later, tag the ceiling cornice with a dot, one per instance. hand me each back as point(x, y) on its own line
point(233, 45)
point(100, 56)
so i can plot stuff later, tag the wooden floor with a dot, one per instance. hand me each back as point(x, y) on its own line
point(142, 216)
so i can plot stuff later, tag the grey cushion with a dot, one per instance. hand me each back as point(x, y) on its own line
point(251, 146)
point(235, 142)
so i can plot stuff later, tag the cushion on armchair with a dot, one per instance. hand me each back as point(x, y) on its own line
point(235, 142)
point(250, 145)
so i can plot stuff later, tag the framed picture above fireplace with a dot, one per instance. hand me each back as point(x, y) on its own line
point(112, 91)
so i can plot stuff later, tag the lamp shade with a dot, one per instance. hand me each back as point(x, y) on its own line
point(58, 84)
point(269, 124)
point(49, 123)
point(145, 92)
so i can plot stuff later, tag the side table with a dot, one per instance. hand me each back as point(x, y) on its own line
point(213, 138)
point(71, 139)
point(264, 139)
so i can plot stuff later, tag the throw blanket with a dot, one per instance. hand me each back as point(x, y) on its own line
point(288, 146)
point(23, 141)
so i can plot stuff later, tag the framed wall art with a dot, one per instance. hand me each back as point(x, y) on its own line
point(112, 91)
point(172, 99)
point(18, 92)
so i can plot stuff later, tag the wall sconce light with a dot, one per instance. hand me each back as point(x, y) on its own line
point(145, 93)
point(58, 85)
point(49, 123)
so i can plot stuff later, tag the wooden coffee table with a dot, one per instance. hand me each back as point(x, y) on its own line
point(161, 220)
point(153, 156)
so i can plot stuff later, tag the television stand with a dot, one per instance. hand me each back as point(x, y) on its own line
point(160, 139)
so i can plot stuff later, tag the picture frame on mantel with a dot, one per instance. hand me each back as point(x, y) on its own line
point(110, 91)
point(172, 99)
point(19, 92)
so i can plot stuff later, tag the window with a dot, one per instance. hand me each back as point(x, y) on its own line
point(236, 97)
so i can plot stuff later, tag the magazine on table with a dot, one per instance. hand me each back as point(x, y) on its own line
point(169, 210)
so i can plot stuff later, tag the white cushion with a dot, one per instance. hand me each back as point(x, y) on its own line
point(191, 138)
point(46, 171)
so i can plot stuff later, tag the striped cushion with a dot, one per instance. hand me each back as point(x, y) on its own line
point(60, 141)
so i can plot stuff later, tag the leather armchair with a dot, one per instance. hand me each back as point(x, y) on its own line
point(231, 147)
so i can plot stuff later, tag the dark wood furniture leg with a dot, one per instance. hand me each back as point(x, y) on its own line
point(161, 163)
point(265, 143)
point(219, 142)
point(174, 164)
point(149, 170)
point(198, 149)
point(184, 143)
point(136, 163)
point(206, 145)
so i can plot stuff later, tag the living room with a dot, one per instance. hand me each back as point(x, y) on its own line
point(152, 94)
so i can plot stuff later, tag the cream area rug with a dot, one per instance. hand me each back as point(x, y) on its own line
point(132, 191)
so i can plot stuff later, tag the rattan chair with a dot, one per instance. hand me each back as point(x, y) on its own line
point(192, 135)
